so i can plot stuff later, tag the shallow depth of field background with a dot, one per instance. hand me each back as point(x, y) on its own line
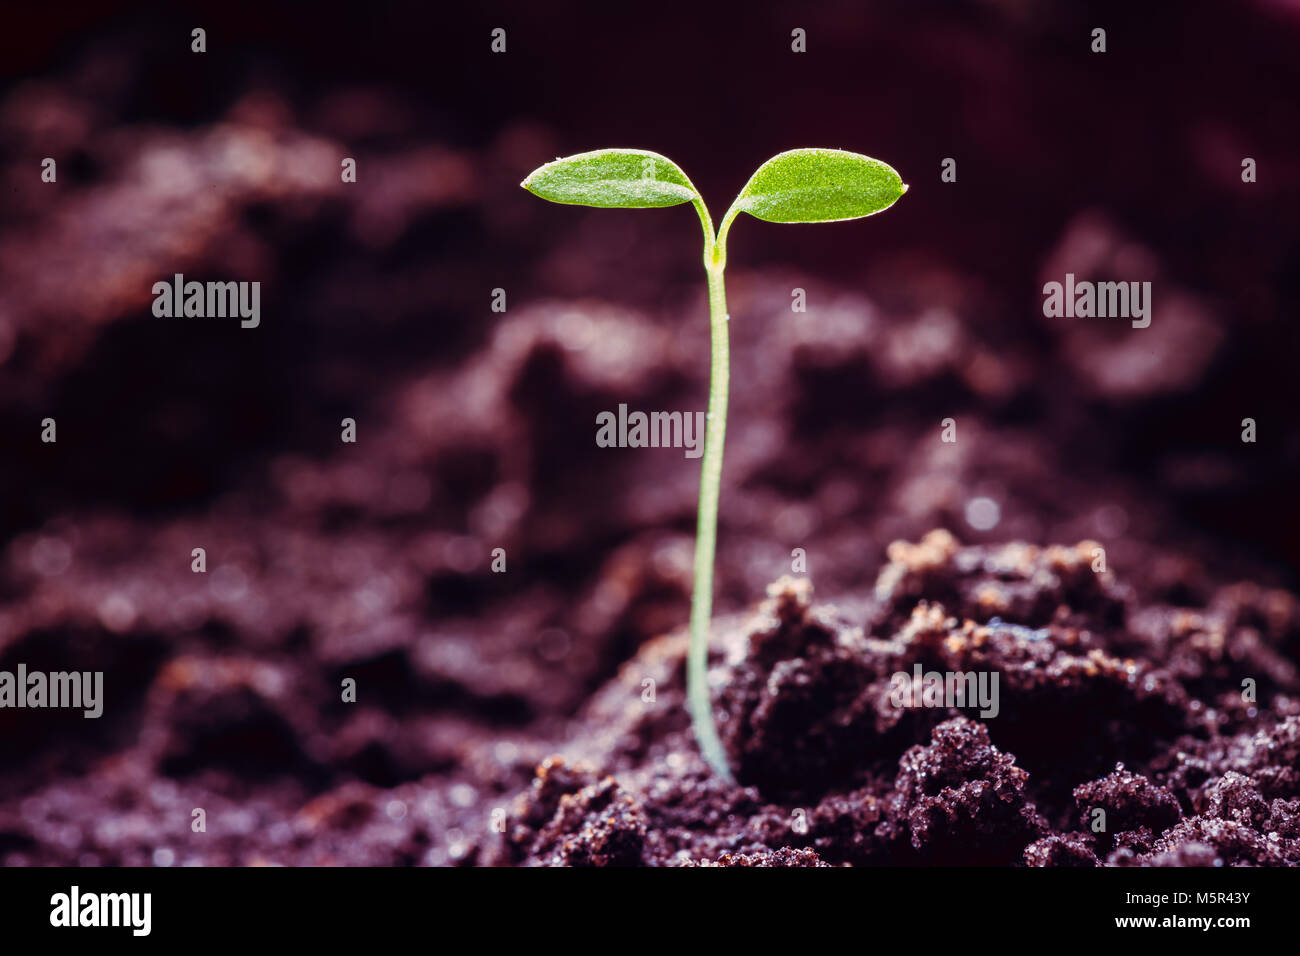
point(476, 429)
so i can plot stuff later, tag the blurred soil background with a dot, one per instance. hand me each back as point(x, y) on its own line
point(476, 429)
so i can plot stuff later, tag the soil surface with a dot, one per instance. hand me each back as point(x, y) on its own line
point(1097, 536)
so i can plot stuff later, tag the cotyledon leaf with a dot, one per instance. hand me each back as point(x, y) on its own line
point(819, 185)
point(611, 179)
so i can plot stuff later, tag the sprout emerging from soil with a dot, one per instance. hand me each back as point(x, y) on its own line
point(801, 185)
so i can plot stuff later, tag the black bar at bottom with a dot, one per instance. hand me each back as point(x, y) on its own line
point(332, 906)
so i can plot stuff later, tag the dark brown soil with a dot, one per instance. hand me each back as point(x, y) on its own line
point(506, 718)
point(1095, 714)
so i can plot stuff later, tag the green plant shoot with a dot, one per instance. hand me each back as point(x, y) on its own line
point(801, 185)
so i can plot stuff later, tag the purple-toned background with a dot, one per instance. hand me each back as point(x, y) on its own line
point(475, 428)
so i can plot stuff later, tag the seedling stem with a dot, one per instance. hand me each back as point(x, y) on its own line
point(801, 185)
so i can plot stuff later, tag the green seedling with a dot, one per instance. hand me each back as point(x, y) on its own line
point(802, 185)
